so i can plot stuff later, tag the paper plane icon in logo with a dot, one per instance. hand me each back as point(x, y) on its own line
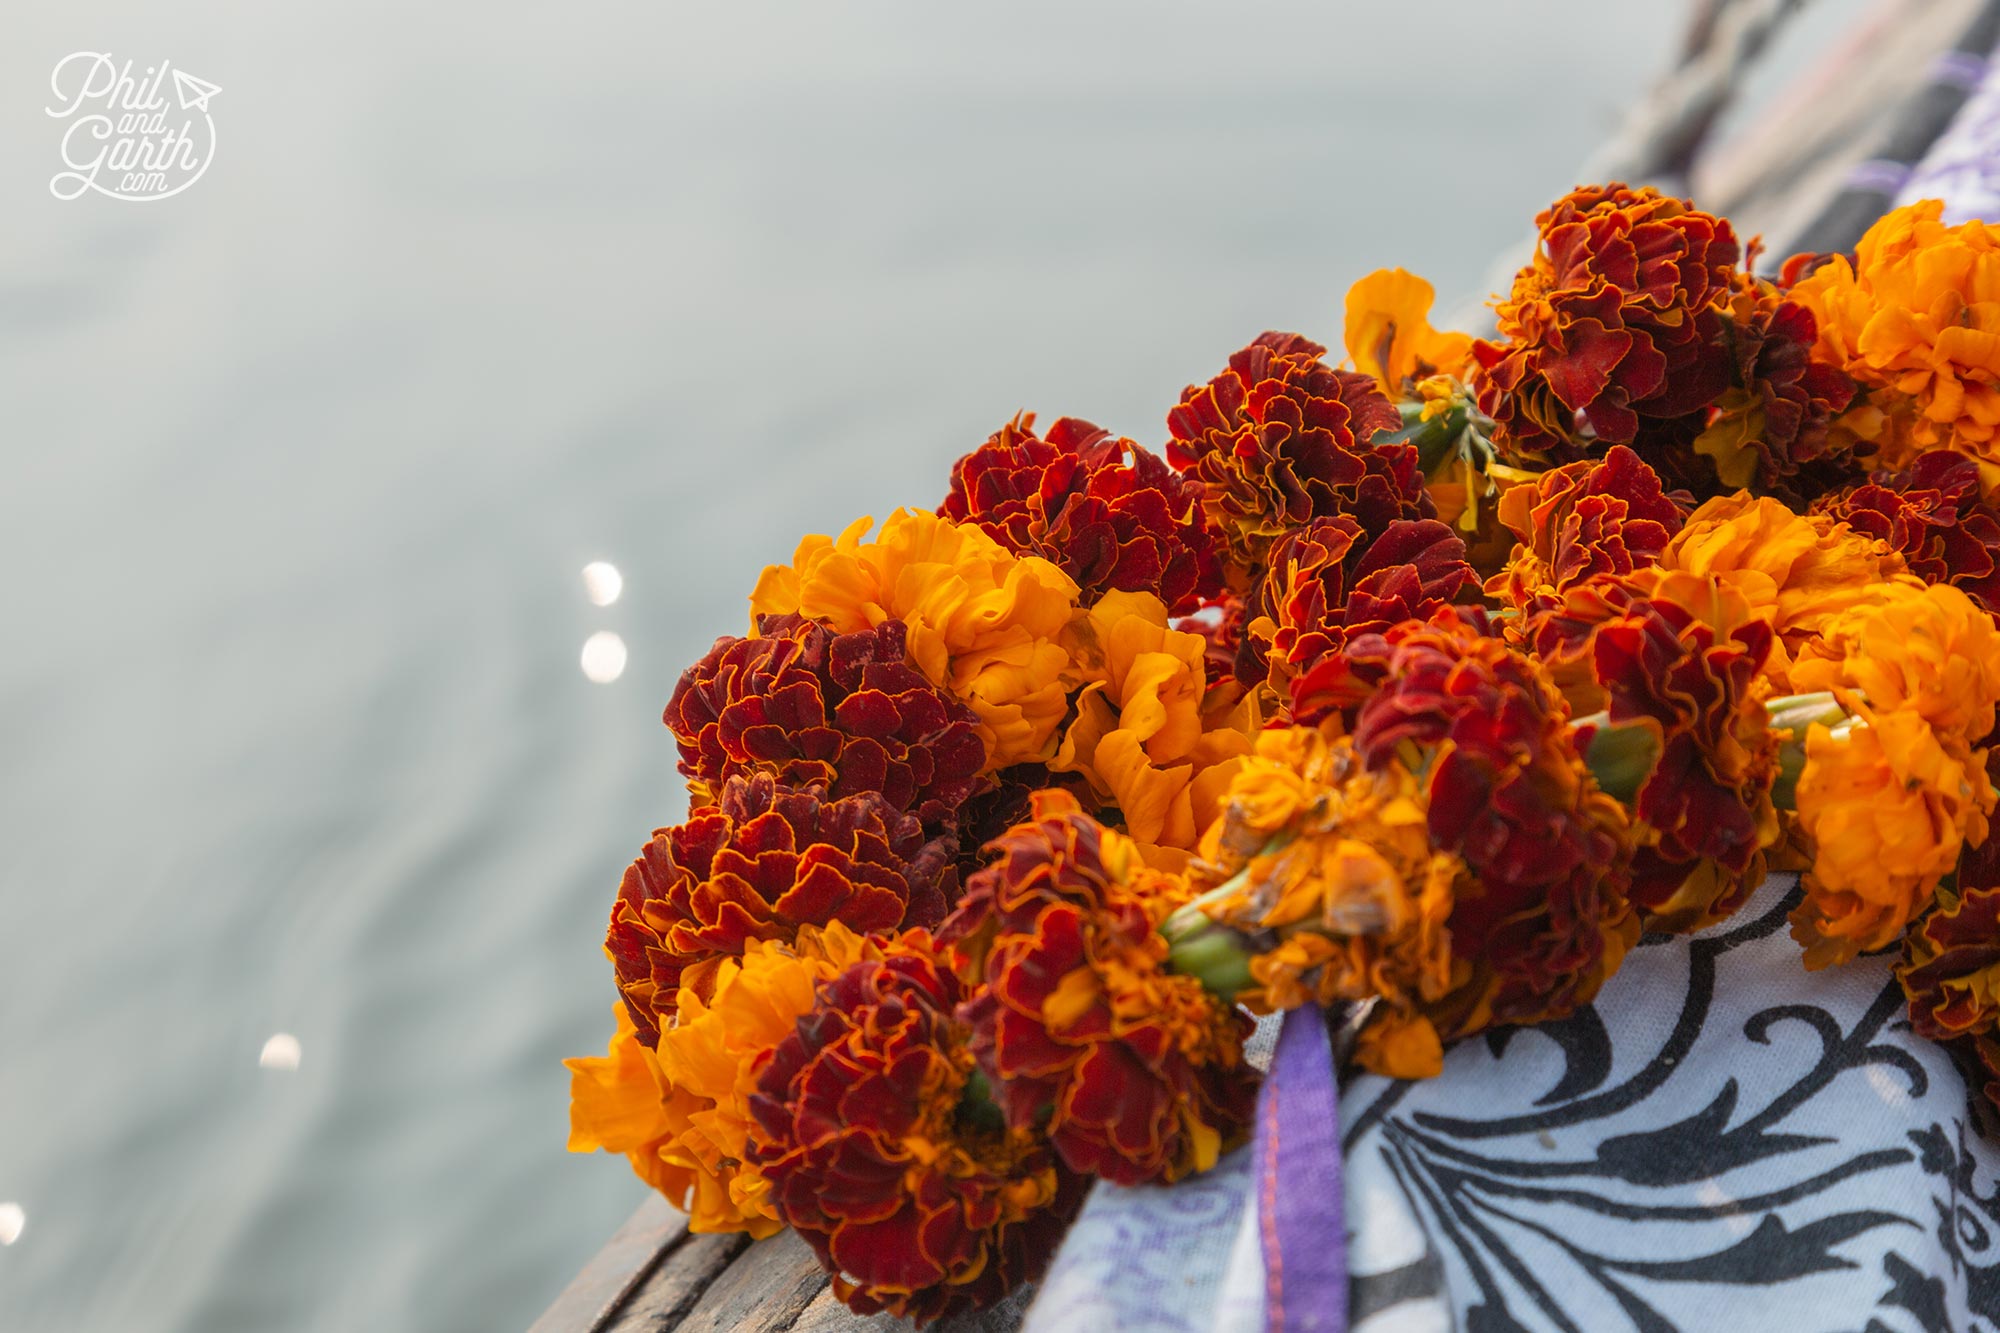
point(194, 93)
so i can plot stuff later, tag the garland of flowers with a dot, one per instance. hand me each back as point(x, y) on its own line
point(1431, 682)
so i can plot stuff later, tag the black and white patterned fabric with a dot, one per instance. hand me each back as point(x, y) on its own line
point(1723, 1141)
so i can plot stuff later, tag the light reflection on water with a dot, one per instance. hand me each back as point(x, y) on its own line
point(602, 583)
point(282, 1051)
point(604, 657)
point(299, 467)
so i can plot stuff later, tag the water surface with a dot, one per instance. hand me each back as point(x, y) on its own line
point(298, 471)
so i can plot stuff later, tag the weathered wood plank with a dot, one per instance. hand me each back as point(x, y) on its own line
point(674, 1288)
point(608, 1280)
point(764, 1291)
point(776, 1286)
point(827, 1315)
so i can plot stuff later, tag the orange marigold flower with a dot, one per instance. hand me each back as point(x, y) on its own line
point(881, 1151)
point(1679, 656)
point(1796, 572)
point(1106, 511)
point(1329, 582)
point(759, 864)
point(1915, 318)
point(846, 711)
point(1612, 322)
point(1341, 890)
point(1134, 1073)
point(1770, 429)
point(1920, 668)
point(980, 622)
point(1590, 517)
point(1886, 808)
point(619, 1102)
point(1888, 802)
point(1933, 516)
point(681, 1112)
point(1389, 334)
point(1140, 738)
point(1921, 648)
point(1280, 438)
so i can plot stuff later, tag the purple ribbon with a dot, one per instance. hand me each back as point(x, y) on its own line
point(1300, 1203)
point(1879, 175)
point(1959, 69)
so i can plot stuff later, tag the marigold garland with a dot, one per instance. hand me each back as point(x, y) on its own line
point(1421, 686)
point(681, 1111)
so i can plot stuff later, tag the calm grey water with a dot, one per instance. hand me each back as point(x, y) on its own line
point(298, 470)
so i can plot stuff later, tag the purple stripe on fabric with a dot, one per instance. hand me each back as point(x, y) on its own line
point(1959, 69)
point(1879, 175)
point(1300, 1191)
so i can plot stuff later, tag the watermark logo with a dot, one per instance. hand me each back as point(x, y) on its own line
point(132, 136)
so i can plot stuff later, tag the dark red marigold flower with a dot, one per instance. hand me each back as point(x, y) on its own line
point(1769, 431)
point(1133, 1072)
point(1281, 438)
point(846, 711)
point(1677, 655)
point(1950, 968)
point(761, 862)
point(882, 1152)
point(1328, 583)
point(1107, 512)
point(1931, 514)
point(1510, 795)
point(1982, 1054)
point(1612, 322)
point(1591, 517)
point(1004, 802)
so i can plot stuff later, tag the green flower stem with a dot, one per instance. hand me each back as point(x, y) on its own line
point(1621, 756)
point(1435, 439)
point(1793, 717)
point(1200, 946)
point(1193, 918)
point(1216, 956)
